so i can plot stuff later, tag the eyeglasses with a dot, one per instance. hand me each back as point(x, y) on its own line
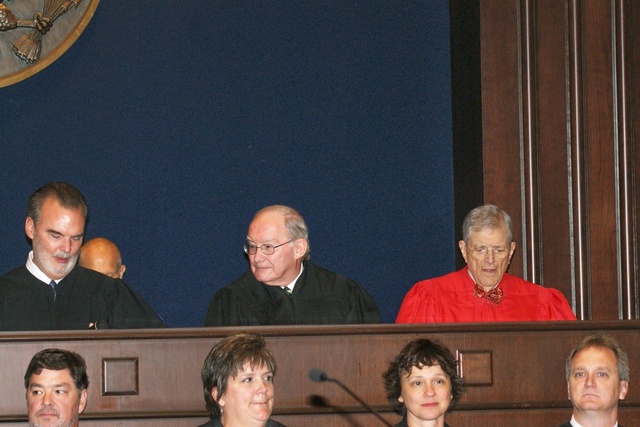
point(498, 252)
point(267, 249)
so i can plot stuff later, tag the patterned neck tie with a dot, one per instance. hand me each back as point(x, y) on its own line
point(287, 290)
point(494, 296)
point(53, 286)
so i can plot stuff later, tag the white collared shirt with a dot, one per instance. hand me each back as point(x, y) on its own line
point(35, 270)
point(292, 284)
point(574, 423)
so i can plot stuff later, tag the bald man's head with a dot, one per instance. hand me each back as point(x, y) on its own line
point(103, 256)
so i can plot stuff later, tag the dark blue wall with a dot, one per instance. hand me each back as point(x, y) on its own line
point(178, 120)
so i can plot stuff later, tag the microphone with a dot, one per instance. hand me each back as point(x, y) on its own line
point(318, 375)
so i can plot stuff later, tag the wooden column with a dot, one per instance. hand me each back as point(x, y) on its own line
point(558, 95)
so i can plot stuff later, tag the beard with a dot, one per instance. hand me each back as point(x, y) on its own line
point(61, 423)
point(48, 265)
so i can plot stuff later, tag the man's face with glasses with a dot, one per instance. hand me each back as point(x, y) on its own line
point(487, 256)
point(273, 256)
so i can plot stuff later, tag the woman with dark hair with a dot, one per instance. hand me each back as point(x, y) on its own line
point(422, 384)
point(237, 380)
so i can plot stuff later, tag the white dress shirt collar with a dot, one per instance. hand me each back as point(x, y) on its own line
point(35, 270)
point(574, 423)
point(292, 284)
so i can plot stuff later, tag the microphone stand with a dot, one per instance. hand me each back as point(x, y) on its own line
point(319, 376)
point(362, 402)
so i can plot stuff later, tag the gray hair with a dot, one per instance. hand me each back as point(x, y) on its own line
point(294, 222)
point(487, 217)
point(65, 194)
point(602, 341)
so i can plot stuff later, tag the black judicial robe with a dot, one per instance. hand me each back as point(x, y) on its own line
point(320, 297)
point(82, 297)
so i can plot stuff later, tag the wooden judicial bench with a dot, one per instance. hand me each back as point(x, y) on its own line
point(514, 371)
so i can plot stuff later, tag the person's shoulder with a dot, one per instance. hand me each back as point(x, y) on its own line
point(446, 280)
point(244, 287)
point(18, 281)
point(80, 271)
point(324, 274)
point(86, 281)
point(524, 286)
point(318, 270)
point(246, 281)
point(19, 284)
point(517, 280)
point(519, 286)
point(91, 277)
point(15, 274)
point(210, 423)
point(274, 423)
point(329, 279)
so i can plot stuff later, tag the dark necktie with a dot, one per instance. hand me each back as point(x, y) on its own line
point(53, 286)
point(287, 290)
point(494, 296)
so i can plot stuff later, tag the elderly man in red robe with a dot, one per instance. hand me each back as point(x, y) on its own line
point(483, 291)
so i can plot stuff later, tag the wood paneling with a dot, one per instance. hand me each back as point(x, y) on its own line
point(466, 111)
point(559, 95)
point(515, 371)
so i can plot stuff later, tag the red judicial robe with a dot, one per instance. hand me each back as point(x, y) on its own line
point(450, 298)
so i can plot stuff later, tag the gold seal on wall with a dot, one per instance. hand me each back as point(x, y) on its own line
point(34, 33)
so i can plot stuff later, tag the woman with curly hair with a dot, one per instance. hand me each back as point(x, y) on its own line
point(422, 384)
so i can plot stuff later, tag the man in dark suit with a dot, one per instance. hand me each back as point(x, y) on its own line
point(597, 378)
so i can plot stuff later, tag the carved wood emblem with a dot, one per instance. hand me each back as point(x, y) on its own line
point(34, 33)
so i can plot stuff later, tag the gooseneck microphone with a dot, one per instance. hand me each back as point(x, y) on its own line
point(318, 375)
